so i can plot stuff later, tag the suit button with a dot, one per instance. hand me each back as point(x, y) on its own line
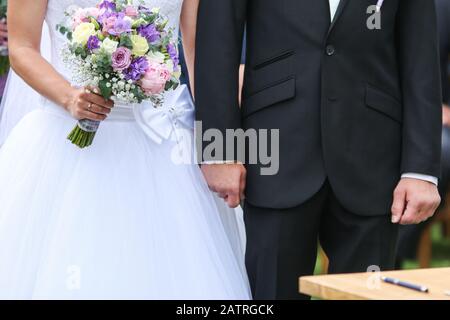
point(331, 50)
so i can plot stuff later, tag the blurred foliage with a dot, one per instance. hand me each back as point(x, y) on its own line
point(3, 8)
point(440, 258)
point(441, 250)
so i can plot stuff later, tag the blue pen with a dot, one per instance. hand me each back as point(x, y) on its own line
point(405, 284)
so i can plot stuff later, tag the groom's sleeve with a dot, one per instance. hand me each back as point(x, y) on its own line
point(220, 29)
point(418, 59)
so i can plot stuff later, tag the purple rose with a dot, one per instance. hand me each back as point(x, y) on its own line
point(121, 59)
point(137, 69)
point(149, 32)
point(121, 26)
point(93, 43)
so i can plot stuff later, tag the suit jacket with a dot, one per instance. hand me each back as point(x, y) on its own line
point(358, 107)
point(443, 15)
point(184, 79)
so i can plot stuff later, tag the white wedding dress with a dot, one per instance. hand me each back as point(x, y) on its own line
point(120, 219)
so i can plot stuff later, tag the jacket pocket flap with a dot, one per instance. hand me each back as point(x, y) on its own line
point(384, 103)
point(275, 93)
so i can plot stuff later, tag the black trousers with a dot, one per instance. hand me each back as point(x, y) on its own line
point(282, 244)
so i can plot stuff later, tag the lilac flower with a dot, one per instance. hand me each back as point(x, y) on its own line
point(149, 32)
point(93, 43)
point(121, 26)
point(107, 10)
point(108, 5)
point(107, 16)
point(121, 59)
point(173, 53)
point(108, 22)
point(144, 9)
point(137, 68)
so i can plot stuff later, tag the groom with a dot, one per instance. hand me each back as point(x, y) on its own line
point(355, 95)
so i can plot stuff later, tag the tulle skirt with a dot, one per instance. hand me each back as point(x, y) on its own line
point(117, 220)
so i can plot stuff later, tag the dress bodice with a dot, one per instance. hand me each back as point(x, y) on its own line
point(158, 123)
point(55, 15)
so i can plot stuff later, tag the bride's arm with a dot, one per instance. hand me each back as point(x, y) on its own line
point(188, 30)
point(25, 20)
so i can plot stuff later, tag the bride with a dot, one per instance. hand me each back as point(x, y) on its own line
point(118, 220)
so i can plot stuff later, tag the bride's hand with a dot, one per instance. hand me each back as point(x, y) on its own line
point(84, 104)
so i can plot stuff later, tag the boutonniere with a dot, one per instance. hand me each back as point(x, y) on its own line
point(379, 5)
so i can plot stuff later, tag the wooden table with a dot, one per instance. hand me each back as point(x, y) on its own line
point(365, 286)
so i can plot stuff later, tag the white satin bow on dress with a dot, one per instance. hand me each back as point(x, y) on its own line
point(163, 123)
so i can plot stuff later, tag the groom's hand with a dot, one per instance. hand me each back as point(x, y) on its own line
point(415, 201)
point(227, 180)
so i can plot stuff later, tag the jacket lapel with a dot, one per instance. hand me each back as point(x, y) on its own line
point(338, 14)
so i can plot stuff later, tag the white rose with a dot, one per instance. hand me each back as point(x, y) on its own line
point(83, 31)
point(156, 56)
point(110, 46)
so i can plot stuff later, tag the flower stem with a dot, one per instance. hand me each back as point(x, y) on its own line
point(81, 138)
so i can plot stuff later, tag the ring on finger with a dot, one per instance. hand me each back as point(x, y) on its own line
point(89, 106)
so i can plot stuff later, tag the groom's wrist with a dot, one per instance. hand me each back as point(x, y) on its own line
point(220, 162)
point(422, 177)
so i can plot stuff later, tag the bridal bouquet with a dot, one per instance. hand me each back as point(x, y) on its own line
point(127, 51)
point(4, 53)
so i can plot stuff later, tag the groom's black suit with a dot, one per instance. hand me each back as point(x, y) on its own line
point(356, 108)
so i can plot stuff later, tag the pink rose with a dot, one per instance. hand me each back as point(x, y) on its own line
point(164, 73)
point(78, 18)
point(131, 11)
point(155, 79)
point(93, 12)
point(162, 69)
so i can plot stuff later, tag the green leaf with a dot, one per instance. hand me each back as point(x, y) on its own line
point(100, 36)
point(138, 23)
point(103, 62)
point(95, 23)
point(125, 41)
point(104, 90)
point(79, 51)
point(4, 65)
point(139, 94)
